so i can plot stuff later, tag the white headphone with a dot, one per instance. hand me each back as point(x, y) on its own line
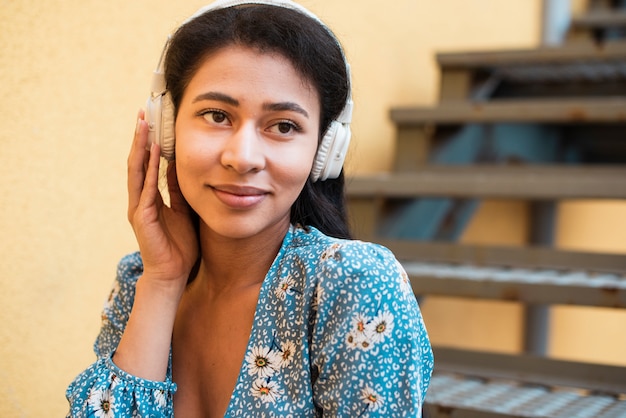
point(159, 115)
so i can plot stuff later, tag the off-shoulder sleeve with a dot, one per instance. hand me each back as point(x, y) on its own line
point(369, 343)
point(103, 389)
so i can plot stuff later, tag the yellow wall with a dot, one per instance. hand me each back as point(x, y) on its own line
point(590, 334)
point(73, 74)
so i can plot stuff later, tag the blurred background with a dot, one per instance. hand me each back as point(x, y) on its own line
point(73, 75)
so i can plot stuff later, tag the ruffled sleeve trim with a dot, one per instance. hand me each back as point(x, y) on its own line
point(106, 390)
point(132, 380)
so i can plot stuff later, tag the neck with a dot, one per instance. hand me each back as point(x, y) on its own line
point(238, 263)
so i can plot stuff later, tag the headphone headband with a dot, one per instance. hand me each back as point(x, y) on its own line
point(158, 86)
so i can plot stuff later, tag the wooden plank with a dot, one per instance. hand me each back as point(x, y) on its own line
point(452, 395)
point(609, 51)
point(601, 19)
point(550, 111)
point(532, 369)
point(549, 287)
point(531, 275)
point(534, 182)
point(512, 257)
point(436, 410)
point(481, 384)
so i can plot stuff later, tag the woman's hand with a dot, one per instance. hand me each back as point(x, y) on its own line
point(169, 248)
point(167, 237)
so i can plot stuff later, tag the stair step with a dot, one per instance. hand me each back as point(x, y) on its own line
point(479, 384)
point(529, 275)
point(452, 395)
point(578, 53)
point(540, 182)
point(538, 286)
point(603, 72)
point(527, 257)
point(579, 69)
point(600, 19)
point(593, 110)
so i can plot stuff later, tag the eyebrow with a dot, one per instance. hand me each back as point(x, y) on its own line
point(276, 107)
point(220, 97)
point(289, 106)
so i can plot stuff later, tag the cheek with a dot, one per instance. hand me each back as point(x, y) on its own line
point(192, 161)
point(295, 165)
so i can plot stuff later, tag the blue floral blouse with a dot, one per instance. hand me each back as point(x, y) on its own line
point(337, 332)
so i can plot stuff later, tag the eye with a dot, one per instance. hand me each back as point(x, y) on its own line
point(214, 116)
point(285, 127)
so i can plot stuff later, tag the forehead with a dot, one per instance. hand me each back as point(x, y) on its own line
point(241, 67)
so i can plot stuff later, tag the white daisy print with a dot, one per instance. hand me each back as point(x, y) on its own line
point(352, 340)
point(380, 327)
point(262, 361)
point(287, 351)
point(359, 340)
point(405, 282)
point(108, 304)
point(101, 401)
point(371, 398)
point(331, 252)
point(358, 337)
point(284, 286)
point(359, 323)
point(266, 390)
point(160, 398)
point(365, 344)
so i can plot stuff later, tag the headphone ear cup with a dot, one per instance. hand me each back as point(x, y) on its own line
point(331, 152)
point(168, 136)
point(160, 119)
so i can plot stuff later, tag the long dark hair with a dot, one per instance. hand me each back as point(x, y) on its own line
point(313, 52)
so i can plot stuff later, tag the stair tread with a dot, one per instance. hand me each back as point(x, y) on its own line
point(600, 19)
point(471, 395)
point(523, 385)
point(525, 182)
point(577, 53)
point(581, 288)
point(525, 274)
point(580, 110)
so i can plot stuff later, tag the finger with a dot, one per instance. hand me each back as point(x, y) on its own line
point(137, 139)
point(177, 200)
point(149, 192)
point(136, 168)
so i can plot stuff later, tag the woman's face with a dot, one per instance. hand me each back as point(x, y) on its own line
point(246, 135)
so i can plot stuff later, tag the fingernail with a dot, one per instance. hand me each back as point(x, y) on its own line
point(138, 126)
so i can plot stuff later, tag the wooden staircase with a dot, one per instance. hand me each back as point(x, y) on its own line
point(577, 91)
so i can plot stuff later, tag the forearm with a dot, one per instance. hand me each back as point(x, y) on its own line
point(144, 348)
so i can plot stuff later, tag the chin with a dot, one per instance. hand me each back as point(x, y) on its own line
point(238, 229)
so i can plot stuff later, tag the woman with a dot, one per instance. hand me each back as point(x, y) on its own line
point(246, 297)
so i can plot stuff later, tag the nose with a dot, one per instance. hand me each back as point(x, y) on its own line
point(243, 151)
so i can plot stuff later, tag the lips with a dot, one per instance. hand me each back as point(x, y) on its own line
point(239, 197)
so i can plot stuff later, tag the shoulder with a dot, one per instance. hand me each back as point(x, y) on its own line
point(329, 248)
point(367, 326)
point(338, 264)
